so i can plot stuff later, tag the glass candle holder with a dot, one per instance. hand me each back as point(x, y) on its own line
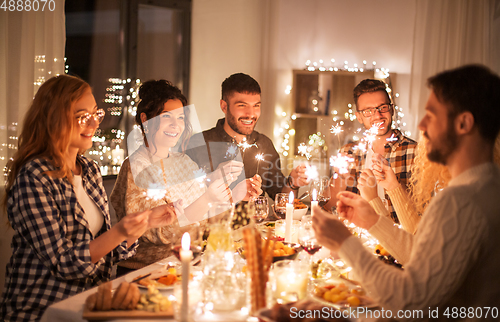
point(289, 280)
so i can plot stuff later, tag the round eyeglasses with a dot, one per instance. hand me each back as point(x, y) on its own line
point(371, 111)
point(84, 119)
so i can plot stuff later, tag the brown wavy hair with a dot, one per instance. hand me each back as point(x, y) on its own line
point(47, 128)
point(154, 94)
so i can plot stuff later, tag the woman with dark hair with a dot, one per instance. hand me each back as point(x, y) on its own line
point(163, 118)
point(63, 241)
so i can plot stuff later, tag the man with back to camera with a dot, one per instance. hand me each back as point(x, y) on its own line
point(241, 104)
point(451, 264)
point(374, 108)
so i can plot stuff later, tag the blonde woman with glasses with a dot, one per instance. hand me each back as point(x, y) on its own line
point(63, 241)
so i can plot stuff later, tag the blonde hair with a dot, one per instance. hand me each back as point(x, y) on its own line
point(47, 127)
point(426, 177)
point(429, 177)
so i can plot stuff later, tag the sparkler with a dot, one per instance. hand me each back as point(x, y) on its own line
point(245, 145)
point(341, 162)
point(259, 157)
point(311, 172)
point(393, 138)
point(304, 150)
point(369, 136)
point(337, 129)
point(231, 152)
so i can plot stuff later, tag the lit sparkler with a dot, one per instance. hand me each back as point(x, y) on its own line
point(155, 194)
point(231, 152)
point(259, 157)
point(393, 138)
point(245, 145)
point(304, 150)
point(369, 136)
point(341, 162)
point(311, 172)
point(337, 129)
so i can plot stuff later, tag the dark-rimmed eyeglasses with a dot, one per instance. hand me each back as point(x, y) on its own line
point(371, 111)
point(84, 119)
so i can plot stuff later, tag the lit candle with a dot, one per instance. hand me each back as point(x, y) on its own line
point(118, 155)
point(289, 218)
point(314, 201)
point(186, 255)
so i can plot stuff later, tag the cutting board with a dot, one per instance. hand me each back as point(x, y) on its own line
point(125, 314)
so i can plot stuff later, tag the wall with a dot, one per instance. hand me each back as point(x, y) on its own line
point(268, 39)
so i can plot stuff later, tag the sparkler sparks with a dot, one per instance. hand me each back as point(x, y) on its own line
point(369, 136)
point(311, 172)
point(259, 156)
point(245, 145)
point(304, 150)
point(341, 162)
point(336, 129)
point(231, 152)
point(393, 138)
point(155, 194)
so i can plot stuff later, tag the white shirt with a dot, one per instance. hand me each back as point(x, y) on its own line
point(92, 213)
point(454, 258)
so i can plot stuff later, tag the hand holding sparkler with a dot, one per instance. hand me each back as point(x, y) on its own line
point(383, 173)
point(299, 176)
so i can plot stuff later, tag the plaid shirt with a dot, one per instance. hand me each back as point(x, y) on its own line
point(51, 257)
point(399, 153)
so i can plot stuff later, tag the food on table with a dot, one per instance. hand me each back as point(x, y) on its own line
point(153, 301)
point(125, 297)
point(387, 258)
point(340, 294)
point(279, 248)
point(297, 204)
point(168, 278)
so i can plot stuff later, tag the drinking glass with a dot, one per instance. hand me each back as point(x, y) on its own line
point(196, 235)
point(261, 209)
point(322, 186)
point(280, 204)
point(307, 237)
point(221, 217)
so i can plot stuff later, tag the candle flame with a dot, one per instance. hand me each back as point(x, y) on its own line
point(314, 195)
point(186, 241)
point(290, 197)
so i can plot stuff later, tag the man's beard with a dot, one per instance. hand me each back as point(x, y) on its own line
point(233, 124)
point(440, 154)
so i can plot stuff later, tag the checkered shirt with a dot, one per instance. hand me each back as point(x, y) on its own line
point(399, 153)
point(51, 257)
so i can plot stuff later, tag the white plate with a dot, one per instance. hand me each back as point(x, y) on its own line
point(158, 285)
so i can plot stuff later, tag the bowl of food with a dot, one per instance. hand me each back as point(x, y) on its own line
point(299, 209)
point(282, 250)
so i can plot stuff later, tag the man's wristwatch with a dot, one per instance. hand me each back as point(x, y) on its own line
point(289, 182)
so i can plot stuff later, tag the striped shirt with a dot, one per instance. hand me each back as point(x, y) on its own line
point(399, 152)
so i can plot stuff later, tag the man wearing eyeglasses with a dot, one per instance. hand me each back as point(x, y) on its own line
point(375, 110)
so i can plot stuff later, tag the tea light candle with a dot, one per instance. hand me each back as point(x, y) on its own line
point(314, 201)
point(291, 285)
point(186, 255)
point(289, 218)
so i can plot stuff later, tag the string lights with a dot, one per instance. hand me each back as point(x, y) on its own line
point(343, 123)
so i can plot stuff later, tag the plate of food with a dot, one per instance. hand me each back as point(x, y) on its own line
point(161, 279)
point(342, 295)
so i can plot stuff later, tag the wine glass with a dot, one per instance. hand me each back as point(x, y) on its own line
point(322, 187)
point(280, 204)
point(261, 209)
point(307, 237)
point(196, 235)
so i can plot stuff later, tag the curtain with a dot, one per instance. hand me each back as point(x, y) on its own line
point(448, 34)
point(31, 51)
